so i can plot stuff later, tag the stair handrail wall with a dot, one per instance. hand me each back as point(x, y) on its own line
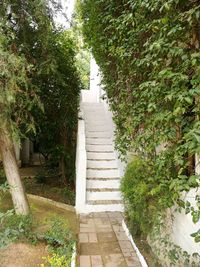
point(81, 165)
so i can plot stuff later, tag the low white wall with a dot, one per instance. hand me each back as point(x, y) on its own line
point(183, 226)
point(81, 165)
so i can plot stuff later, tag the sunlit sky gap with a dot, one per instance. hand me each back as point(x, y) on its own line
point(68, 8)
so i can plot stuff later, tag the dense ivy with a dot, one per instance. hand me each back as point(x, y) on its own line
point(149, 55)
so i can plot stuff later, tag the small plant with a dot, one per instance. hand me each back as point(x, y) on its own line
point(143, 198)
point(41, 177)
point(14, 227)
point(2, 175)
point(56, 261)
point(61, 244)
point(69, 195)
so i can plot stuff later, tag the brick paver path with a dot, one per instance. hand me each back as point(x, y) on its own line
point(103, 242)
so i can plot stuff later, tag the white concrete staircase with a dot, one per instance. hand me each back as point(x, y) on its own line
point(102, 177)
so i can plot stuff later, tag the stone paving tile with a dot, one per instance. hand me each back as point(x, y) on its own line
point(116, 221)
point(100, 214)
point(90, 249)
point(103, 242)
point(106, 237)
point(102, 221)
point(115, 215)
point(83, 238)
point(114, 260)
point(96, 261)
point(125, 244)
point(104, 229)
point(117, 228)
point(121, 236)
point(85, 261)
point(87, 230)
point(132, 262)
point(110, 248)
point(92, 237)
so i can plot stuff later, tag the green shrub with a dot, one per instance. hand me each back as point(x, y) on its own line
point(14, 227)
point(60, 240)
point(56, 261)
point(142, 196)
point(69, 195)
point(2, 175)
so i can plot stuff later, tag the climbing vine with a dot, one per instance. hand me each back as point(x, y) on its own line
point(149, 55)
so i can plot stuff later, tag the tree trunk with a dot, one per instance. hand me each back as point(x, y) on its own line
point(19, 198)
point(62, 159)
point(63, 170)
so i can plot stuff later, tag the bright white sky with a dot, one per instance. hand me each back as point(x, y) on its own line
point(68, 8)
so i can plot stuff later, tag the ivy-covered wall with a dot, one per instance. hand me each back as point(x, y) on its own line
point(149, 55)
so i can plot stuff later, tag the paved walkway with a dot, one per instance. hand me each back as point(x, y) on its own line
point(103, 242)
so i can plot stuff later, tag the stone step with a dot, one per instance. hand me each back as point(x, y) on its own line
point(99, 134)
point(102, 173)
point(93, 106)
point(99, 141)
point(104, 164)
point(112, 184)
point(98, 129)
point(104, 202)
point(99, 148)
point(95, 119)
point(99, 126)
point(103, 179)
point(103, 195)
point(100, 156)
point(104, 189)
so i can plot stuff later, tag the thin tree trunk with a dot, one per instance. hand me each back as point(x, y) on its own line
point(62, 160)
point(63, 170)
point(19, 198)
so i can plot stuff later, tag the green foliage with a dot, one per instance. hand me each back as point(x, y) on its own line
point(56, 261)
point(61, 244)
point(149, 55)
point(41, 82)
point(144, 198)
point(69, 195)
point(15, 227)
point(59, 92)
point(16, 94)
point(165, 250)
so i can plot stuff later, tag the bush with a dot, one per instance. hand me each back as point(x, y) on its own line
point(56, 261)
point(69, 195)
point(61, 244)
point(143, 199)
point(14, 227)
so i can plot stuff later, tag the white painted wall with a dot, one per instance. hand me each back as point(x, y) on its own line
point(81, 165)
point(183, 226)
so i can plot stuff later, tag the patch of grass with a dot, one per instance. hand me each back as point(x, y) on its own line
point(47, 224)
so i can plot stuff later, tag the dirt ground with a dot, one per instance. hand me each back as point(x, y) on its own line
point(26, 255)
point(22, 255)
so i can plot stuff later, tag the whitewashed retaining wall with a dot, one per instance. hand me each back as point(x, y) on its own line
point(81, 166)
point(183, 226)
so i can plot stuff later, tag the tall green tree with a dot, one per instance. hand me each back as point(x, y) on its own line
point(18, 93)
point(37, 64)
point(59, 93)
point(15, 100)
